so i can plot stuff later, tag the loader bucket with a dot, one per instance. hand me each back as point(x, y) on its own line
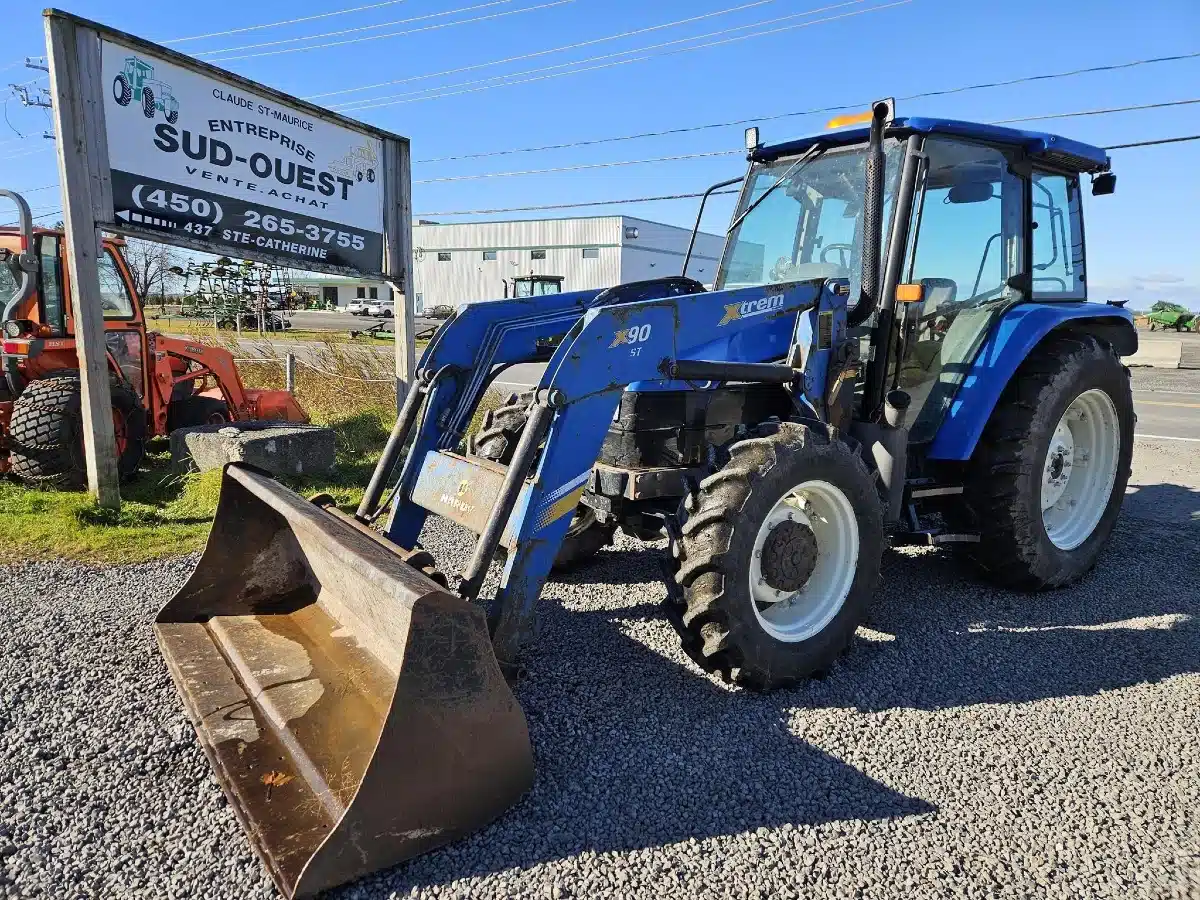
point(351, 708)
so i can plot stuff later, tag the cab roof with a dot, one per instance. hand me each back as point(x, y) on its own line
point(1059, 151)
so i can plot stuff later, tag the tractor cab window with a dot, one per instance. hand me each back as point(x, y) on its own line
point(51, 289)
point(1057, 239)
point(967, 243)
point(810, 226)
point(114, 292)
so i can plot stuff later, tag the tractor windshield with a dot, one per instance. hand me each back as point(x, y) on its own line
point(810, 226)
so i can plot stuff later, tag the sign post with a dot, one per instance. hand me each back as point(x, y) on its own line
point(157, 145)
point(74, 53)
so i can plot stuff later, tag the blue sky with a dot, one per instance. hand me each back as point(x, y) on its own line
point(1144, 242)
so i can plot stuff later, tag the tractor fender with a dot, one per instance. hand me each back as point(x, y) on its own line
point(1008, 343)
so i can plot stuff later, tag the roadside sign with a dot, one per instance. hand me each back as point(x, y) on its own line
point(158, 145)
point(195, 153)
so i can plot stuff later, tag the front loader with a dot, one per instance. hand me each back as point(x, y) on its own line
point(898, 347)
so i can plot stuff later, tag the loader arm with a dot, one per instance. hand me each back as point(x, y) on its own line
point(606, 349)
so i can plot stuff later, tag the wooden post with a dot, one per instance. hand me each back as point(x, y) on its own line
point(398, 261)
point(83, 172)
point(289, 372)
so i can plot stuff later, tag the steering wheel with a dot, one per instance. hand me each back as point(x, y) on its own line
point(783, 270)
point(843, 249)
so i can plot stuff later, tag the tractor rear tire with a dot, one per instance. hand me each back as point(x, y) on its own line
point(189, 412)
point(1013, 465)
point(497, 440)
point(725, 627)
point(148, 103)
point(46, 431)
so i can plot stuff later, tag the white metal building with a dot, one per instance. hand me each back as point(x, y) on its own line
point(338, 290)
point(459, 263)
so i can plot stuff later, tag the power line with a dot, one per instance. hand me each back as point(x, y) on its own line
point(379, 37)
point(34, 218)
point(1170, 140)
point(336, 12)
point(575, 46)
point(603, 165)
point(623, 62)
point(629, 200)
point(712, 153)
point(373, 102)
point(1096, 112)
point(313, 37)
point(545, 206)
point(807, 112)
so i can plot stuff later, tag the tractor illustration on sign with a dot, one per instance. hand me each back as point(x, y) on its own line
point(358, 164)
point(137, 82)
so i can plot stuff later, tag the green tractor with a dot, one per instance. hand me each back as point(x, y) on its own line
point(1164, 315)
point(137, 82)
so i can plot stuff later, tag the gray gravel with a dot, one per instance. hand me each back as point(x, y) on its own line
point(975, 743)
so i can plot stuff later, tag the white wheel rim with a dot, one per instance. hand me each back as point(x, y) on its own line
point(1080, 469)
point(798, 615)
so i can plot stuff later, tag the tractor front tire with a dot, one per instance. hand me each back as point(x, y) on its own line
point(148, 103)
point(189, 412)
point(1068, 411)
point(46, 431)
point(779, 558)
point(497, 440)
point(122, 92)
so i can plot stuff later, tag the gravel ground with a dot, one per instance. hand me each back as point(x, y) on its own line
point(974, 743)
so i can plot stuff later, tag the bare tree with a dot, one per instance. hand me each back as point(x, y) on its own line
point(150, 266)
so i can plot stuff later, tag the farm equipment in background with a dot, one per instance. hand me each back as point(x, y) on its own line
point(137, 83)
point(890, 352)
point(534, 285)
point(1165, 314)
point(245, 296)
point(158, 383)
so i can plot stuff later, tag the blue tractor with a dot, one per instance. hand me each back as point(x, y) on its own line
point(898, 348)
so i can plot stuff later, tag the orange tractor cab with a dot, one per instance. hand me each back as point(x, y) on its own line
point(158, 383)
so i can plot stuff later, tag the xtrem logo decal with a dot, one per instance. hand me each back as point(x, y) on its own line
point(456, 501)
point(749, 308)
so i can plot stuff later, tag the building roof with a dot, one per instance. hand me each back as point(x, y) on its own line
point(1074, 155)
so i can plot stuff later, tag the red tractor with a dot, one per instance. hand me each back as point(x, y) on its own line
point(158, 383)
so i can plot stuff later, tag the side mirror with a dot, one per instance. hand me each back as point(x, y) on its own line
point(1103, 184)
point(971, 192)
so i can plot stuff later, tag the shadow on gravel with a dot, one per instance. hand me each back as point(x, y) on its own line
point(636, 748)
point(1175, 504)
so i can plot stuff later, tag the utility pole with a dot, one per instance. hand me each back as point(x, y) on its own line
point(79, 123)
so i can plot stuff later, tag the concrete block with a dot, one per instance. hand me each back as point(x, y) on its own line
point(275, 447)
point(1158, 354)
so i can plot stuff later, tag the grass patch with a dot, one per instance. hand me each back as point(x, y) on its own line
point(163, 514)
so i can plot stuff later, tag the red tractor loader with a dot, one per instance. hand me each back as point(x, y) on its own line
point(158, 383)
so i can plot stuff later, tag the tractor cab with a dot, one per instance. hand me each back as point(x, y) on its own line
point(536, 285)
point(975, 219)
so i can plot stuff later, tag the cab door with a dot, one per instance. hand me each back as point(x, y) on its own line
point(968, 250)
point(124, 331)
